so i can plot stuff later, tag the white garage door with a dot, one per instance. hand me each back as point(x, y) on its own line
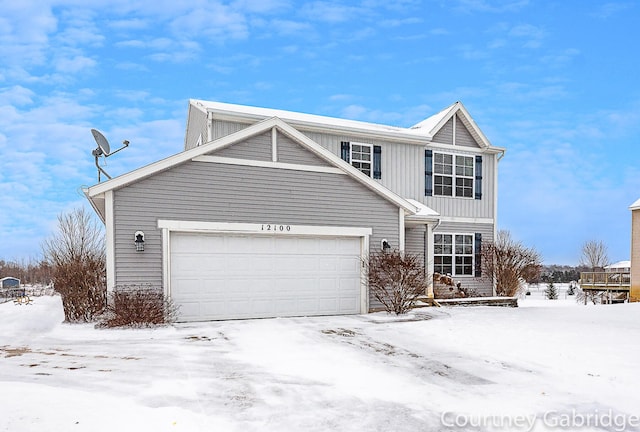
point(224, 276)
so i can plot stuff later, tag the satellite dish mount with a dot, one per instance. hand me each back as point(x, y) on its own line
point(104, 149)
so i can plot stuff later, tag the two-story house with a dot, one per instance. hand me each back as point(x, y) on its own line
point(271, 213)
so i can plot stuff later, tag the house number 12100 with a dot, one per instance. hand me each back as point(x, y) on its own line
point(279, 228)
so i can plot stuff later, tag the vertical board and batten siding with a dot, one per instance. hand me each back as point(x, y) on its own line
point(211, 192)
point(290, 151)
point(481, 285)
point(222, 128)
point(196, 128)
point(254, 148)
point(414, 241)
point(402, 164)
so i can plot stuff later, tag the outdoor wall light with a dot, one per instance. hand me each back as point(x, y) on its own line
point(139, 241)
point(385, 246)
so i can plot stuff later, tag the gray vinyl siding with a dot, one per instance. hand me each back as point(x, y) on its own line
point(290, 151)
point(201, 191)
point(445, 134)
point(481, 285)
point(196, 128)
point(254, 148)
point(463, 137)
point(414, 241)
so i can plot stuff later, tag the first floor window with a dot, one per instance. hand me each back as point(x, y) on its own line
point(453, 254)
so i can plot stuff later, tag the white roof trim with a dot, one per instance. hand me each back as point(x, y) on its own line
point(232, 112)
point(424, 213)
point(434, 123)
point(258, 128)
point(635, 205)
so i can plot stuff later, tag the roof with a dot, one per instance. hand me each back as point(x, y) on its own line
point(422, 132)
point(635, 205)
point(424, 214)
point(96, 193)
point(620, 264)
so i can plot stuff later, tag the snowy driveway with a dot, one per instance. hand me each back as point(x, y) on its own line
point(357, 373)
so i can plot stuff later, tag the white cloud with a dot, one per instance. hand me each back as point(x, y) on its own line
point(74, 64)
point(215, 22)
point(531, 34)
point(497, 6)
point(330, 12)
point(607, 10)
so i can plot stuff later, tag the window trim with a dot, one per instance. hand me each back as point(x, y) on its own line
point(453, 254)
point(454, 176)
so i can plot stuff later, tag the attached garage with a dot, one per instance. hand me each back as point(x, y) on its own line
point(218, 276)
point(206, 217)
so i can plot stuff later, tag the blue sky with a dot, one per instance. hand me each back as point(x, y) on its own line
point(554, 82)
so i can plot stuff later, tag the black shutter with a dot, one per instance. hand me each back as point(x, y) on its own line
point(477, 246)
point(377, 165)
point(478, 177)
point(346, 151)
point(428, 172)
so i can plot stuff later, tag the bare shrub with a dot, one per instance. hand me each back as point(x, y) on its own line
point(507, 263)
point(76, 256)
point(396, 279)
point(138, 307)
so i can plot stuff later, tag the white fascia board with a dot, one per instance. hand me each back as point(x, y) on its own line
point(268, 164)
point(476, 132)
point(94, 203)
point(322, 124)
point(474, 150)
point(179, 158)
point(467, 220)
point(635, 205)
point(110, 241)
point(267, 228)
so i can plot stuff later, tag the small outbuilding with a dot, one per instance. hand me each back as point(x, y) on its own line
point(10, 287)
point(9, 283)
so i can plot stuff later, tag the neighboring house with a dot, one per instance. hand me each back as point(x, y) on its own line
point(619, 267)
point(270, 213)
point(634, 295)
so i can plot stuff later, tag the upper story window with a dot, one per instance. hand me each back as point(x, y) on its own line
point(453, 175)
point(365, 157)
point(361, 157)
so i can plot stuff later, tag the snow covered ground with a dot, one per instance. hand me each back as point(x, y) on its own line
point(547, 365)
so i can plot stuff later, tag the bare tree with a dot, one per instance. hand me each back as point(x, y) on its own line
point(77, 257)
point(396, 279)
point(507, 263)
point(594, 255)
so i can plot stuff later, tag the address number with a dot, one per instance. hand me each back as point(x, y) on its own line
point(276, 228)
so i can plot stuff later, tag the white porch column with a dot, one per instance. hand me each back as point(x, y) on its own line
point(428, 257)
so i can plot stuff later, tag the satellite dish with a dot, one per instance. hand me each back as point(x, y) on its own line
point(104, 149)
point(102, 142)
